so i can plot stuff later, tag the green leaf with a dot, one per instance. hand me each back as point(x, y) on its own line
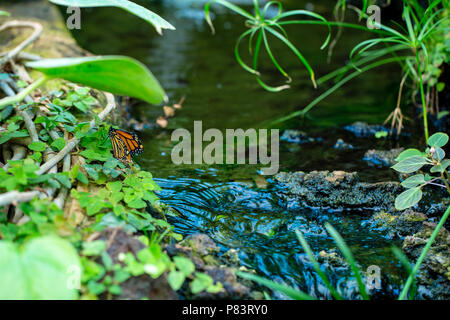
point(438, 139)
point(410, 164)
point(37, 146)
point(82, 177)
point(143, 13)
point(73, 173)
point(93, 248)
point(4, 13)
point(81, 106)
point(44, 268)
point(176, 279)
point(115, 186)
point(58, 144)
point(137, 204)
point(93, 155)
point(116, 74)
point(414, 181)
point(185, 265)
point(91, 171)
point(16, 134)
point(408, 198)
point(441, 167)
point(407, 154)
point(64, 180)
point(288, 291)
point(439, 153)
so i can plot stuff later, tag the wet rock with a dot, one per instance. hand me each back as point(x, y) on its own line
point(232, 289)
point(204, 252)
point(364, 130)
point(232, 257)
point(332, 258)
point(295, 136)
point(341, 145)
point(135, 288)
point(398, 225)
point(433, 277)
point(336, 190)
point(382, 158)
point(201, 244)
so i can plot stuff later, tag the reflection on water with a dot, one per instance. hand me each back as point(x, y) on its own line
point(224, 201)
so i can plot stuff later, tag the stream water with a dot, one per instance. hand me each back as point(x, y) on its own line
point(232, 203)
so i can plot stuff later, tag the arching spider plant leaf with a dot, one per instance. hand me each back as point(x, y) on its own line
point(149, 16)
point(116, 74)
point(228, 5)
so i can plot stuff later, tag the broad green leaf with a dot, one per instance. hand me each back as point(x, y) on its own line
point(93, 248)
point(408, 153)
point(64, 180)
point(16, 134)
point(439, 153)
point(4, 13)
point(185, 265)
point(441, 167)
point(137, 204)
point(143, 13)
point(438, 139)
point(82, 177)
point(116, 74)
point(58, 144)
point(410, 164)
point(115, 186)
point(37, 146)
point(414, 181)
point(44, 268)
point(176, 279)
point(408, 198)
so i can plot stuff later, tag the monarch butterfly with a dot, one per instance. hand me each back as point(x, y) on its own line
point(124, 144)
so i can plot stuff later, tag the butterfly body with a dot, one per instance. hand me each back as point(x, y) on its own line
point(124, 144)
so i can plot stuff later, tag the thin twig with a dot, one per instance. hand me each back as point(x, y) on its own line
point(24, 56)
point(20, 24)
point(15, 197)
point(29, 124)
point(19, 153)
point(61, 198)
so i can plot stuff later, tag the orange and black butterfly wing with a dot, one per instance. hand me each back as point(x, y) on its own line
point(125, 144)
point(131, 141)
point(118, 147)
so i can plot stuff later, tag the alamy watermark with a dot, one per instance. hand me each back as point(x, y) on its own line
point(74, 20)
point(373, 280)
point(240, 146)
point(374, 20)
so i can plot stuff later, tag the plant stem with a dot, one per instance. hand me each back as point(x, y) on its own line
point(423, 254)
point(257, 11)
point(422, 95)
point(22, 94)
point(445, 182)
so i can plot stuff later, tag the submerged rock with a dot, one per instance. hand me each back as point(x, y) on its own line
point(295, 136)
point(433, 277)
point(382, 158)
point(364, 130)
point(204, 252)
point(398, 225)
point(141, 287)
point(341, 145)
point(336, 190)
